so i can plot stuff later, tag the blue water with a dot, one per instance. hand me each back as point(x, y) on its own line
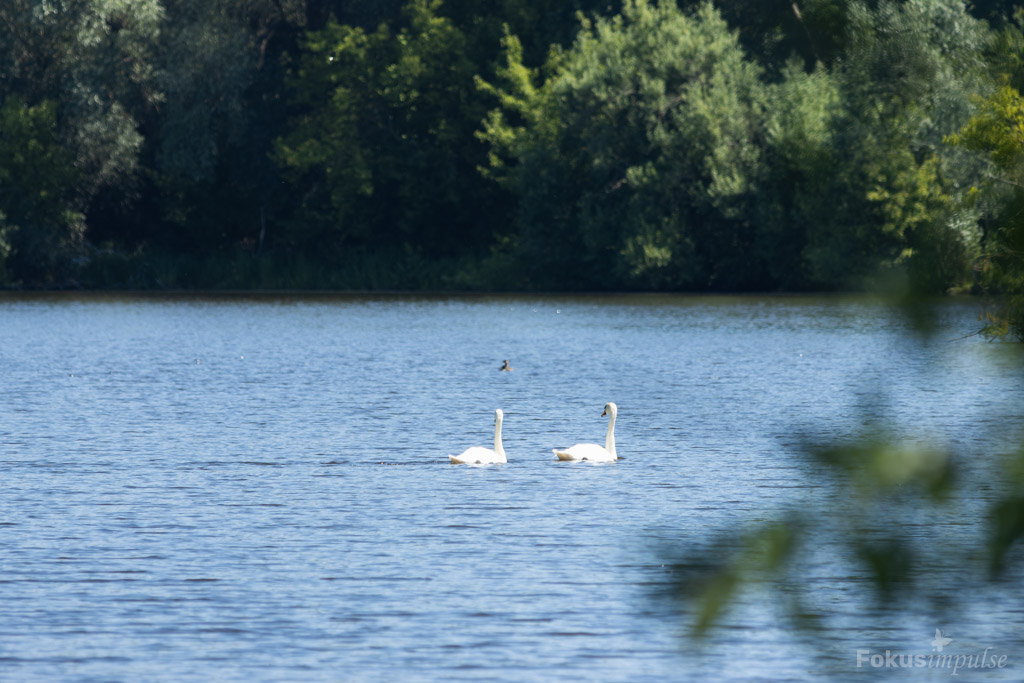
point(258, 488)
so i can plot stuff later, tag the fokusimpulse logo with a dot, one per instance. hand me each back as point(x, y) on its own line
point(957, 662)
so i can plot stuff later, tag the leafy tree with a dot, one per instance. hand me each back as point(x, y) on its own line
point(220, 72)
point(994, 136)
point(997, 131)
point(92, 60)
point(801, 158)
point(876, 187)
point(39, 229)
point(633, 161)
point(380, 143)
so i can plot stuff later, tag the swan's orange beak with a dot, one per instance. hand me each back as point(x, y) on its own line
point(604, 412)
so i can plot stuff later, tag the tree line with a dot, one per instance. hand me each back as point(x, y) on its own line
point(761, 145)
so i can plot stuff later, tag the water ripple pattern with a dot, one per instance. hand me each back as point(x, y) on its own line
point(257, 488)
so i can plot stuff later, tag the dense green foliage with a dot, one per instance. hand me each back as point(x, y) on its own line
point(529, 144)
point(996, 134)
point(672, 163)
point(635, 160)
point(374, 111)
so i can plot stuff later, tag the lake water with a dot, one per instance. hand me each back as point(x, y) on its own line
point(258, 488)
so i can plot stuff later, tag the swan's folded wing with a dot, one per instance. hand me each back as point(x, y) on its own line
point(583, 451)
point(477, 455)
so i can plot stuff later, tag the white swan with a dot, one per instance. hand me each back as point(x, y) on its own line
point(591, 452)
point(478, 455)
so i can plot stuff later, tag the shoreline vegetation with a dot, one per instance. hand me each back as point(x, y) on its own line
point(244, 274)
point(526, 146)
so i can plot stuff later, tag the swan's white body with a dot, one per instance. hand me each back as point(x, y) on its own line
point(477, 455)
point(591, 452)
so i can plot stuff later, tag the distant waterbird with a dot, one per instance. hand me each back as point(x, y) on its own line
point(505, 367)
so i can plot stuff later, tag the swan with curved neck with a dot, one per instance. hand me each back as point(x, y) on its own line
point(478, 455)
point(592, 452)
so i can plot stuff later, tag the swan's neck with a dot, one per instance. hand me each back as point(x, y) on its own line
point(609, 440)
point(497, 438)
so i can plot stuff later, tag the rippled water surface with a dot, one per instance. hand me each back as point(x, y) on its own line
point(259, 489)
